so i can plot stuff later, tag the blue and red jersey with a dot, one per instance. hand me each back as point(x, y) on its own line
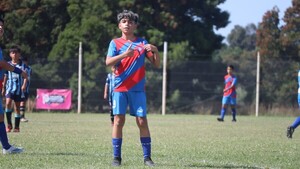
point(130, 71)
point(230, 80)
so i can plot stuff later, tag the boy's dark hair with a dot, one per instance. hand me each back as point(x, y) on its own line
point(1, 20)
point(128, 15)
point(231, 67)
point(15, 49)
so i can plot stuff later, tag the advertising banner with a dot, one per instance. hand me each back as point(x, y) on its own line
point(54, 99)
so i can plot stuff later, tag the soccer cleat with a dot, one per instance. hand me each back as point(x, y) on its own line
point(233, 120)
point(289, 132)
point(220, 119)
point(8, 128)
point(16, 130)
point(116, 161)
point(24, 120)
point(148, 162)
point(13, 150)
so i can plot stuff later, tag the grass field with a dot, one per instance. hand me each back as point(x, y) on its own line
point(65, 141)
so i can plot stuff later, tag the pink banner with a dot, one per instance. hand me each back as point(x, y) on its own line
point(54, 99)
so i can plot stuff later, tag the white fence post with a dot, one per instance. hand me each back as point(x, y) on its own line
point(79, 78)
point(164, 84)
point(257, 85)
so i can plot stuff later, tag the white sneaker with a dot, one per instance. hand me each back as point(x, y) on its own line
point(24, 120)
point(13, 150)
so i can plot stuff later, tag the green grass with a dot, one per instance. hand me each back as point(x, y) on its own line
point(65, 141)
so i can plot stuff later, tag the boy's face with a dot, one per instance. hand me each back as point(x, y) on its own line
point(229, 70)
point(15, 56)
point(127, 26)
point(1, 28)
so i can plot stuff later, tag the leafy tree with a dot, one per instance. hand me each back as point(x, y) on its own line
point(34, 25)
point(94, 23)
point(275, 45)
point(268, 34)
point(244, 38)
point(49, 32)
point(290, 35)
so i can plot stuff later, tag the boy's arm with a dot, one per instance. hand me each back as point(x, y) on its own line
point(111, 61)
point(231, 86)
point(105, 91)
point(24, 84)
point(6, 66)
point(4, 85)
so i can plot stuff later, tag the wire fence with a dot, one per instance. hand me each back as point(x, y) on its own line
point(193, 87)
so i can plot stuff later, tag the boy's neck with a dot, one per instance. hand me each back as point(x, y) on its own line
point(128, 37)
point(15, 61)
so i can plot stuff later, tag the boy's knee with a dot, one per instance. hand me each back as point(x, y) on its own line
point(142, 122)
point(22, 108)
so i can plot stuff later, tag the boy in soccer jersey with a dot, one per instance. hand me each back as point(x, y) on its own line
point(108, 91)
point(15, 89)
point(291, 128)
point(28, 70)
point(229, 94)
point(6, 147)
point(128, 54)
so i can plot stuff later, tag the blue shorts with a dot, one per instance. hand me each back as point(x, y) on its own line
point(135, 100)
point(228, 100)
point(15, 97)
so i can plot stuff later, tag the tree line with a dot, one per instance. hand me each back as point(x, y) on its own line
point(48, 31)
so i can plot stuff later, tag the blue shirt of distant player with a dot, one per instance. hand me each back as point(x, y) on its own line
point(110, 82)
point(14, 80)
point(28, 70)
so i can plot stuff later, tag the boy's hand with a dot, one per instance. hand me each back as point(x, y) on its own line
point(151, 48)
point(3, 91)
point(23, 88)
point(129, 52)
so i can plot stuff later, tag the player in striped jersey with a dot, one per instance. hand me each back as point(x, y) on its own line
point(229, 94)
point(28, 70)
point(291, 128)
point(128, 54)
point(108, 91)
point(6, 147)
point(15, 89)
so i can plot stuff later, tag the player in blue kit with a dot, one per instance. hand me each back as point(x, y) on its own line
point(229, 94)
point(291, 128)
point(15, 89)
point(128, 54)
point(6, 147)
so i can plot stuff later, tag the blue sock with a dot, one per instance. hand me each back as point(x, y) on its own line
point(233, 113)
point(3, 136)
point(117, 144)
point(296, 122)
point(146, 145)
point(223, 112)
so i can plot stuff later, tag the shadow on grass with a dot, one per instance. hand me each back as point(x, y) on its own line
point(64, 154)
point(222, 166)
